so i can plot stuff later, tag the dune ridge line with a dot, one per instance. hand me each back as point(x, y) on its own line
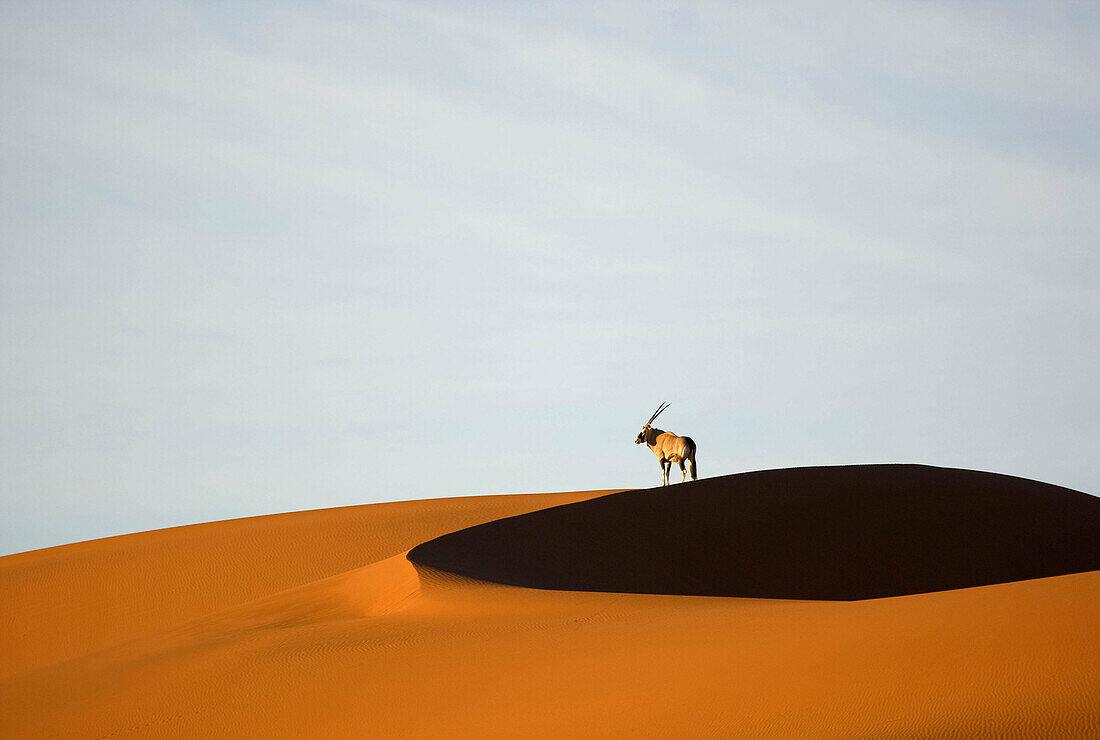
point(822, 533)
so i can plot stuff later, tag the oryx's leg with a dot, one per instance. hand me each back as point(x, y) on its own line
point(683, 473)
point(665, 465)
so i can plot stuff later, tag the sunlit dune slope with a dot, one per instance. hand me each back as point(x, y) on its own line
point(69, 600)
point(844, 532)
point(317, 624)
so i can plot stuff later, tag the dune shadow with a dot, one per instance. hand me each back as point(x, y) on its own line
point(832, 533)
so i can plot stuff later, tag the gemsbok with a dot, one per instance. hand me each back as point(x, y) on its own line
point(668, 448)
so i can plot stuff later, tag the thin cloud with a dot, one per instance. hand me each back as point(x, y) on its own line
point(248, 247)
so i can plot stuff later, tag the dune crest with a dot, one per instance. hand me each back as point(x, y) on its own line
point(66, 601)
point(381, 588)
point(822, 533)
point(374, 590)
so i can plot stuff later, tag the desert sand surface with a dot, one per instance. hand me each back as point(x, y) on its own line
point(318, 623)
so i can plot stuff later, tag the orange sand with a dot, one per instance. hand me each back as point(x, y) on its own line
point(314, 624)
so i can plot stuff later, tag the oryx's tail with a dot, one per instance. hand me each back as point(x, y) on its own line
point(691, 458)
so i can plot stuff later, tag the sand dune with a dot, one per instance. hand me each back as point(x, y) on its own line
point(66, 601)
point(317, 624)
point(836, 533)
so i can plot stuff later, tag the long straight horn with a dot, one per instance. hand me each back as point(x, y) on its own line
point(657, 413)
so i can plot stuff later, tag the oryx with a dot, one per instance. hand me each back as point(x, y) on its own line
point(668, 448)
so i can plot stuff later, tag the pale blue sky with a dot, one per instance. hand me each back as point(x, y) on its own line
point(262, 257)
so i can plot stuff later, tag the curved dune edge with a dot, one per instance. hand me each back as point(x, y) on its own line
point(383, 648)
point(63, 602)
point(822, 533)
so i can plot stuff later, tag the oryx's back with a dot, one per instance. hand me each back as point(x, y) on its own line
point(674, 447)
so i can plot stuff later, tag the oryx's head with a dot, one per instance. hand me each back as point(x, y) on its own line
point(641, 434)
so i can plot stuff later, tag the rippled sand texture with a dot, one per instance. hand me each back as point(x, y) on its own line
point(315, 624)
